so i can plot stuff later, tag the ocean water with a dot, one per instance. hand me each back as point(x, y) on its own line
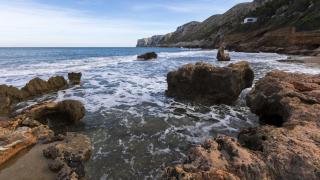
point(136, 131)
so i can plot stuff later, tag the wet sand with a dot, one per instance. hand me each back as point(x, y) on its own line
point(29, 165)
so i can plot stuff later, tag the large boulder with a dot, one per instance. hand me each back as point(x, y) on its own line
point(206, 83)
point(222, 55)
point(73, 109)
point(148, 56)
point(74, 78)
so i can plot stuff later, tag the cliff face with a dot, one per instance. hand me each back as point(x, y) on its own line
point(273, 16)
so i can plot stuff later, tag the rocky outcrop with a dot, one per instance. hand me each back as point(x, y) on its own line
point(37, 86)
point(206, 83)
point(148, 56)
point(285, 98)
point(286, 146)
point(26, 130)
point(222, 55)
point(69, 155)
point(9, 95)
point(74, 78)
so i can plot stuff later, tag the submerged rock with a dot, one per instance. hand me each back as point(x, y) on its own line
point(206, 83)
point(222, 55)
point(148, 56)
point(74, 78)
point(285, 147)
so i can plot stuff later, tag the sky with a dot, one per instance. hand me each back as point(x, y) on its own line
point(97, 23)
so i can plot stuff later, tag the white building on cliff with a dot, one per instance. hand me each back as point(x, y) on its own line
point(250, 20)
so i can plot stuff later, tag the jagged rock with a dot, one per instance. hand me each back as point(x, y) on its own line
point(285, 98)
point(148, 56)
point(8, 96)
point(74, 78)
point(206, 83)
point(286, 146)
point(37, 86)
point(69, 156)
point(220, 159)
point(222, 55)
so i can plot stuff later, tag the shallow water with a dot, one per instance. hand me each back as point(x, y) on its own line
point(135, 129)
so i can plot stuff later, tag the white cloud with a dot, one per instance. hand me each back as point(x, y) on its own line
point(30, 24)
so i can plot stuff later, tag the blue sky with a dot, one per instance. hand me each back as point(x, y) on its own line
point(93, 23)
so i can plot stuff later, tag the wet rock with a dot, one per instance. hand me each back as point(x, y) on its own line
point(74, 110)
point(56, 165)
point(69, 156)
point(206, 83)
point(148, 56)
point(61, 113)
point(222, 55)
point(57, 83)
point(37, 86)
point(74, 78)
point(8, 96)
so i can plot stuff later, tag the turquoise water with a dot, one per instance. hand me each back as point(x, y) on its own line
point(136, 130)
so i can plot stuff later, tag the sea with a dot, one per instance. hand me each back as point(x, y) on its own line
point(137, 131)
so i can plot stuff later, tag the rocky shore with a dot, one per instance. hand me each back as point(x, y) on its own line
point(38, 128)
point(285, 146)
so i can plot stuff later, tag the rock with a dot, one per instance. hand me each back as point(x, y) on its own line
point(288, 98)
point(56, 165)
point(57, 83)
point(285, 147)
point(9, 95)
point(37, 86)
point(148, 56)
point(74, 78)
point(69, 156)
point(206, 83)
point(74, 110)
point(222, 55)
point(14, 141)
point(220, 159)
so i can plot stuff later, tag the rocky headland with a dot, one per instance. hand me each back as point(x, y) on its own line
point(285, 146)
point(283, 26)
point(24, 135)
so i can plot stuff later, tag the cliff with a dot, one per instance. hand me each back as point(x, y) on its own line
point(298, 22)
